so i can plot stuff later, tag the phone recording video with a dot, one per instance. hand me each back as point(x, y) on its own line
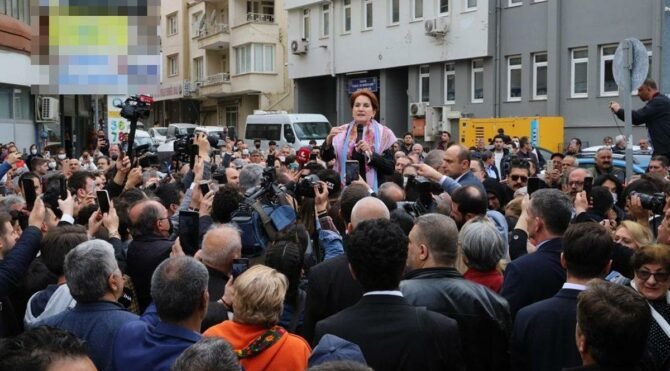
point(29, 192)
point(103, 201)
point(352, 172)
point(240, 266)
point(189, 230)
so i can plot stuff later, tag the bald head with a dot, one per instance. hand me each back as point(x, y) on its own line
point(369, 208)
point(392, 192)
point(220, 246)
point(149, 217)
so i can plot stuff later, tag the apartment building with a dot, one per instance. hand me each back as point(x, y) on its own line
point(222, 60)
point(434, 61)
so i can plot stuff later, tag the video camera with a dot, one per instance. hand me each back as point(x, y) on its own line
point(135, 107)
point(419, 189)
point(182, 145)
point(654, 202)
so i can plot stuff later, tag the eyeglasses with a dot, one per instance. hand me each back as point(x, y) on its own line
point(517, 177)
point(658, 276)
point(575, 184)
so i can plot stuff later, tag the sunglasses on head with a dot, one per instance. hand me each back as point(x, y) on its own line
point(517, 177)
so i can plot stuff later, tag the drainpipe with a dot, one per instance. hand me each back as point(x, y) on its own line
point(498, 98)
point(332, 39)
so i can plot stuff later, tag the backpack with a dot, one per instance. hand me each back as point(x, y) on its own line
point(260, 224)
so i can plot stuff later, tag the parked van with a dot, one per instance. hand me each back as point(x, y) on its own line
point(294, 129)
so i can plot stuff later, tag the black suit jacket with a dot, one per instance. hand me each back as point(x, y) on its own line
point(331, 288)
point(534, 277)
point(145, 253)
point(393, 335)
point(544, 334)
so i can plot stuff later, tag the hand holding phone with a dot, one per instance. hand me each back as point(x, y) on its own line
point(533, 185)
point(103, 201)
point(189, 230)
point(29, 192)
point(240, 265)
point(352, 172)
point(588, 186)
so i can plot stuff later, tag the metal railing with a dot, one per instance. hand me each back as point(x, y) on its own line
point(260, 18)
point(214, 28)
point(217, 78)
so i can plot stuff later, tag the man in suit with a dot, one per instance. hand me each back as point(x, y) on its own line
point(456, 168)
point(538, 276)
point(392, 334)
point(544, 332)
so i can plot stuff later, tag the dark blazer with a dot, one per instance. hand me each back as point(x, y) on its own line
point(656, 115)
point(331, 288)
point(394, 335)
point(145, 253)
point(470, 179)
point(544, 334)
point(216, 312)
point(534, 277)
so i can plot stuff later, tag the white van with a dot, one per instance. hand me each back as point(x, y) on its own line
point(295, 129)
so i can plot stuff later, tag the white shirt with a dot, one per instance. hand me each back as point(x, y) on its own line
point(498, 158)
point(574, 286)
point(384, 292)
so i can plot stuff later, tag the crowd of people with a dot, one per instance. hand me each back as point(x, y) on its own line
point(451, 258)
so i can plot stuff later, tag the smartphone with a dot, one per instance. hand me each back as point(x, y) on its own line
point(62, 184)
point(588, 185)
point(103, 201)
point(312, 157)
point(29, 192)
point(204, 188)
point(550, 167)
point(193, 151)
point(270, 161)
point(533, 184)
point(240, 266)
point(189, 230)
point(352, 171)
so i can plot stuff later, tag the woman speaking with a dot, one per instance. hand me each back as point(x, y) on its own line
point(363, 140)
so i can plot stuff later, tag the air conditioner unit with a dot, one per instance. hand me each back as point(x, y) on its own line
point(436, 26)
point(49, 109)
point(418, 109)
point(299, 47)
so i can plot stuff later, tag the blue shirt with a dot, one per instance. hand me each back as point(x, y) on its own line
point(96, 323)
point(141, 346)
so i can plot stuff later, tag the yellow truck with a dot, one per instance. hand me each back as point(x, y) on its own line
point(544, 131)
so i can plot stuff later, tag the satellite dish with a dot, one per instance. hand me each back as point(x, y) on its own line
point(639, 64)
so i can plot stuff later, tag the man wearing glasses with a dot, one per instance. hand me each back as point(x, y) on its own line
point(517, 177)
point(575, 183)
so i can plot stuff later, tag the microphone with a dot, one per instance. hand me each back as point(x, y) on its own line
point(359, 133)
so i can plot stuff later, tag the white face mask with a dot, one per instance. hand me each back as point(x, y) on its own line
point(33, 151)
point(52, 165)
point(61, 156)
point(615, 197)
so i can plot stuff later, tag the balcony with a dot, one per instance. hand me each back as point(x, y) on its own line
point(216, 85)
point(261, 18)
point(213, 36)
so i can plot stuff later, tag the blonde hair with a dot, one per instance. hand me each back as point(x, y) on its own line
point(640, 234)
point(259, 296)
point(514, 207)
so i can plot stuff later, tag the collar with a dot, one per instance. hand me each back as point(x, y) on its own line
point(574, 286)
point(176, 332)
point(460, 177)
point(435, 272)
point(546, 241)
point(99, 306)
point(384, 292)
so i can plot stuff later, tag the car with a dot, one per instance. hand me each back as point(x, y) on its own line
point(590, 163)
point(158, 135)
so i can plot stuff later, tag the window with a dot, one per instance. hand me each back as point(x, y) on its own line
point(231, 116)
point(255, 58)
point(449, 83)
point(367, 14)
point(424, 83)
point(514, 78)
point(470, 5)
point(477, 83)
point(198, 24)
point(263, 131)
point(444, 7)
point(14, 103)
point(305, 24)
point(172, 24)
point(417, 9)
point(198, 70)
point(540, 76)
point(394, 11)
point(346, 20)
point(579, 73)
point(515, 3)
point(325, 20)
point(173, 65)
point(608, 86)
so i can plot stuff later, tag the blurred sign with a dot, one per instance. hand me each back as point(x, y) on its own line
point(370, 83)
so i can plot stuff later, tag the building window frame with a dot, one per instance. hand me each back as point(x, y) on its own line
point(346, 17)
point(424, 82)
point(449, 82)
point(305, 25)
point(574, 61)
point(514, 64)
point(441, 4)
point(537, 66)
point(414, 5)
point(246, 58)
point(514, 3)
point(477, 72)
point(171, 24)
point(606, 59)
point(469, 5)
point(368, 15)
point(173, 65)
point(325, 21)
point(199, 68)
point(394, 11)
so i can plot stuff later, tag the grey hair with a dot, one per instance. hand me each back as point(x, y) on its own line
point(482, 244)
point(440, 233)
point(12, 200)
point(177, 286)
point(250, 176)
point(554, 208)
point(434, 158)
point(209, 353)
point(218, 256)
point(87, 269)
point(148, 174)
point(601, 149)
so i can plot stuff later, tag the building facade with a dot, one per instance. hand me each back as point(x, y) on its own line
point(435, 61)
point(221, 60)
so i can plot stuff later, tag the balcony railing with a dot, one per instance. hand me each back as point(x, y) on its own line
point(260, 18)
point(216, 78)
point(210, 29)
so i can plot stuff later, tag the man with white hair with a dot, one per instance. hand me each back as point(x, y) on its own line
point(96, 283)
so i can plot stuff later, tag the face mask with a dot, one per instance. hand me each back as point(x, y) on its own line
point(615, 197)
point(52, 165)
point(115, 157)
point(61, 156)
point(33, 151)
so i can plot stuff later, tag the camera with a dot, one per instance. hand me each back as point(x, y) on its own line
point(135, 107)
point(414, 209)
point(419, 189)
point(654, 202)
point(305, 187)
point(182, 143)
